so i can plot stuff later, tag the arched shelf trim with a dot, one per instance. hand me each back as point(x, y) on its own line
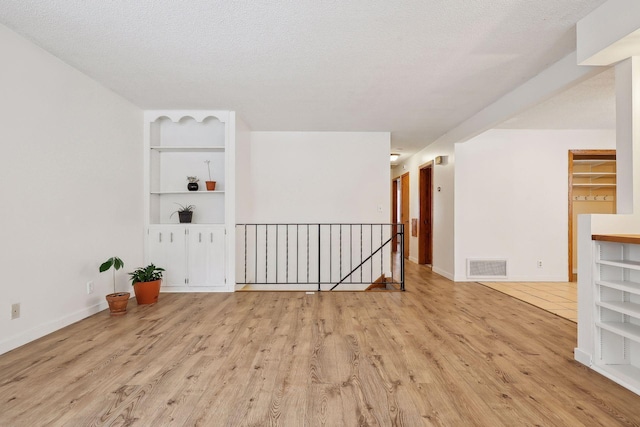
point(197, 115)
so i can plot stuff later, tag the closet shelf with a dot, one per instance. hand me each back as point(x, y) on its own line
point(594, 174)
point(594, 162)
point(593, 185)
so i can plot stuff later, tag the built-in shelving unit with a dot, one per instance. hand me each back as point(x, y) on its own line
point(590, 175)
point(617, 309)
point(181, 144)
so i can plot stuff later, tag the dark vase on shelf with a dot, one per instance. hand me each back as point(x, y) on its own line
point(192, 186)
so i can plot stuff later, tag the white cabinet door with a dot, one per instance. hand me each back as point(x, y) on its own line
point(167, 249)
point(206, 255)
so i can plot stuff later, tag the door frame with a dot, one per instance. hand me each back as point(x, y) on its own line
point(425, 229)
point(404, 202)
point(572, 154)
point(394, 213)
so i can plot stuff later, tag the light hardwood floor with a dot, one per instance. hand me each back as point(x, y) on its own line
point(559, 298)
point(440, 354)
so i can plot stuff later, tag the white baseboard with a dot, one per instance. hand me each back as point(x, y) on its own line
point(193, 289)
point(40, 331)
point(442, 273)
point(413, 259)
point(582, 356)
point(516, 279)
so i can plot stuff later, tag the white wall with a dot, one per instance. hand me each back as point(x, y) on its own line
point(443, 203)
point(311, 177)
point(511, 199)
point(297, 177)
point(71, 184)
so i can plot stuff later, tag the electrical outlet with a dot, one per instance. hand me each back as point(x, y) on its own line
point(15, 310)
point(539, 264)
point(90, 287)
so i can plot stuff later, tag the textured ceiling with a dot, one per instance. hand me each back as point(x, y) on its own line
point(588, 105)
point(415, 68)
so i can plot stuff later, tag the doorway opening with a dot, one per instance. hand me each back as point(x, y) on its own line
point(425, 228)
point(592, 189)
point(400, 209)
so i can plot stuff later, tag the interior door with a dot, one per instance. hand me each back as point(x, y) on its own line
point(425, 230)
point(404, 211)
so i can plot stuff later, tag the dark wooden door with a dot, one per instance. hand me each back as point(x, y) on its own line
point(425, 229)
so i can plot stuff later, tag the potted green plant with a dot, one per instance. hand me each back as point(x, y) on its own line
point(117, 300)
point(146, 283)
point(185, 213)
point(211, 185)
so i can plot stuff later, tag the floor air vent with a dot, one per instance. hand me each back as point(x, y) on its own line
point(486, 268)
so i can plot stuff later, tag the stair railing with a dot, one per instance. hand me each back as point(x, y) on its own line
point(326, 256)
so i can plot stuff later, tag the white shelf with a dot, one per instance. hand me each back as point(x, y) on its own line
point(179, 144)
point(632, 265)
point(594, 162)
point(187, 148)
point(616, 323)
point(594, 185)
point(594, 175)
point(621, 285)
point(187, 192)
point(628, 308)
point(626, 330)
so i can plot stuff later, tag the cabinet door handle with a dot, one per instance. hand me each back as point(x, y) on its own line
point(211, 235)
point(199, 237)
point(159, 237)
point(171, 237)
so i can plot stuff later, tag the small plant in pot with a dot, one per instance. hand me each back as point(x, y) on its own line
point(211, 185)
point(185, 213)
point(193, 183)
point(146, 283)
point(117, 300)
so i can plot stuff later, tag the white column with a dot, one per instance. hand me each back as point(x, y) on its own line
point(628, 135)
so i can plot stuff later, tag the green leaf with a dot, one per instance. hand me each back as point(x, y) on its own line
point(106, 265)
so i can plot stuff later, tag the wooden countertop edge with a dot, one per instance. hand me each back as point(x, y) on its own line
point(618, 238)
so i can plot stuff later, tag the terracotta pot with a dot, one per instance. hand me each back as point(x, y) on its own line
point(147, 292)
point(118, 303)
point(211, 185)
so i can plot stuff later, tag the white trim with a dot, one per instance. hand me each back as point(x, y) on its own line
point(616, 379)
point(442, 273)
point(193, 289)
point(582, 356)
point(40, 331)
